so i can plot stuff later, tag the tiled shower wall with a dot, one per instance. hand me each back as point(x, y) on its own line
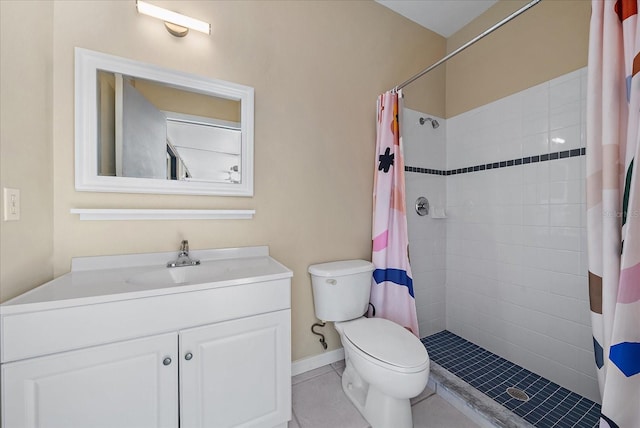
point(424, 147)
point(507, 268)
point(516, 260)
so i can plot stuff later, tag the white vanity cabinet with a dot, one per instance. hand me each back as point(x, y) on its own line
point(119, 385)
point(233, 373)
point(200, 354)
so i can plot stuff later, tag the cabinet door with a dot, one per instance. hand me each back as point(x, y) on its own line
point(237, 373)
point(126, 384)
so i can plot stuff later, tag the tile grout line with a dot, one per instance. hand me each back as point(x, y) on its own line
point(583, 416)
point(568, 411)
point(549, 401)
point(554, 407)
point(520, 370)
point(544, 401)
point(488, 372)
point(540, 389)
point(498, 367)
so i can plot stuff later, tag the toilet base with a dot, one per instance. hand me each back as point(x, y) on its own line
point(379, 410)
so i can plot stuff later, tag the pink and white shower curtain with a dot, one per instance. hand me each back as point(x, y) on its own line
point(392, 285)
point(613, 206)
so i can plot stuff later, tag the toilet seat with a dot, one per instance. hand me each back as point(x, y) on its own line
point(386, 343)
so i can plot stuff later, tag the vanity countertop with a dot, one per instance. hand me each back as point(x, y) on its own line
point(103, 279)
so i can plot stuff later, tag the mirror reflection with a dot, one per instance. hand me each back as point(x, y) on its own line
point(149, 129)
point(141, 128)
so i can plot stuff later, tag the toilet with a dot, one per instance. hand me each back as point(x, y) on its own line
point(386, 365)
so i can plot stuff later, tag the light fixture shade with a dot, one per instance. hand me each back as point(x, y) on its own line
point(173, 17)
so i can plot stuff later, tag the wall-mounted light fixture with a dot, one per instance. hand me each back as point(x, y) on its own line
point(176, 24)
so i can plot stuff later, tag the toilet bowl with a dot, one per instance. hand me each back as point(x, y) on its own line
point(386, 365)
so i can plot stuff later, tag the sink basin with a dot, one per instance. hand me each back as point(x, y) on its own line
point(101, 279)
point(163, 277)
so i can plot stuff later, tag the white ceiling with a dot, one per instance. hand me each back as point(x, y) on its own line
point(444, 17)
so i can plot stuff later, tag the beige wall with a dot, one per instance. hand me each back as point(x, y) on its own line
point(317, 68)
point(547, 41)
point(26, 246)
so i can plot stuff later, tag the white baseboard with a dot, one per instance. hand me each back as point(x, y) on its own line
point(306, 364)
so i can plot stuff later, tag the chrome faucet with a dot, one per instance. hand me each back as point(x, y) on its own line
point(183, 257)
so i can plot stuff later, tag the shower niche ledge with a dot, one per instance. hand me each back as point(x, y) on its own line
point(124, 340)
point(161, 214)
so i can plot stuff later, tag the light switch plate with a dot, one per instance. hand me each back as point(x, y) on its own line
point(11, 204)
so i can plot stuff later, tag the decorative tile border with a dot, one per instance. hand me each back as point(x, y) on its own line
point(501, 164)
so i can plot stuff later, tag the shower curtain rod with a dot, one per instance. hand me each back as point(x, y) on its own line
point(469, 43)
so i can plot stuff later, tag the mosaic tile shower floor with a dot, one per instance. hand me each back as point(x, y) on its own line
point(549, 404)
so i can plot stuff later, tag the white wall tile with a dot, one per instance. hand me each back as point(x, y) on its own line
point(565, 192)
point(511, 253)
point(535, 144)
point(535, 279)
point(565, 169)
point(565, 90)
point(565, 116)
point(569, 285)
point(535, 100)
point(515, 242)
point(425, 147)
point(535, 215)
point(564, 238)
point(565, 215)
point(567, 138)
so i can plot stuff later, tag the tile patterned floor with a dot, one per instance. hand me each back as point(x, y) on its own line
point(319, 402)
point(549, 405)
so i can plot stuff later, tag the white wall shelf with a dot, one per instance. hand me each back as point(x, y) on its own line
point(149, 214)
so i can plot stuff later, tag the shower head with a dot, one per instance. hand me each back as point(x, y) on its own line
point(434, 123)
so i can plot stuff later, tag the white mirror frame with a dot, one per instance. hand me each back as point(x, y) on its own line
point(86, 127)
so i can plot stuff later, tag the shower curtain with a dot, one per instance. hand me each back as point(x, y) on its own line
point(613, 206)
point(391, 287)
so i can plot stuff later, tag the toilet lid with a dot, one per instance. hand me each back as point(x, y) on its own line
point(386, 341)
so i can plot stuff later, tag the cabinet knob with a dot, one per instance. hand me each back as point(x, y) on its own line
point(166, 361)
point(188, 356)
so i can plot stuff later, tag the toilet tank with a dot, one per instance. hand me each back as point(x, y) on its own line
point(341, 289)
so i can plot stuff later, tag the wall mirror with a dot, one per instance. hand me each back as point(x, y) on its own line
point(141, 128)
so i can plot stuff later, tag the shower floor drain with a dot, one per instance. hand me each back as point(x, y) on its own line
point(517, 393)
